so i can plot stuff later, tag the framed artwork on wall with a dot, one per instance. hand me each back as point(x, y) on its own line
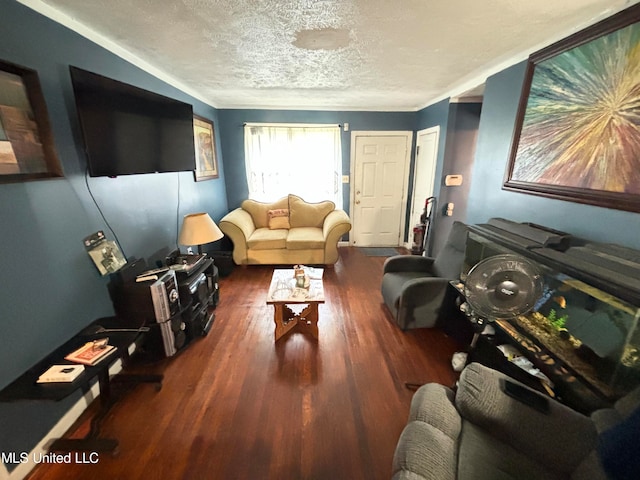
point(577, 134)
point(26, 142)
point(205, 143)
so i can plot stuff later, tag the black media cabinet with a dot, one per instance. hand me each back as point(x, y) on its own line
point(26, 387)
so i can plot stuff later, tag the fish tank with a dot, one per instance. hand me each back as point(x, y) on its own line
point(576, 331)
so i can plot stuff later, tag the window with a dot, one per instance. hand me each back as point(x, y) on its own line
point(305, 160)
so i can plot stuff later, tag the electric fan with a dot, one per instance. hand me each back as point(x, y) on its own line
point(502, 286)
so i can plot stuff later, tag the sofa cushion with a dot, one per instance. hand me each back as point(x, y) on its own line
point(484, 457)
point(393, 287)
point(434, 404)
point(424, 452)
point(448, 263)
point(628, 404)
point(605, 418)
point(305, 238)
point(278, 218)
point(589, 469)
point(563, 437)
point(303, 214)
point(265, 239)
point(259, 210)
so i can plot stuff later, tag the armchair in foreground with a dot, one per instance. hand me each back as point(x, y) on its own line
point(482, 432)
point(415, 288)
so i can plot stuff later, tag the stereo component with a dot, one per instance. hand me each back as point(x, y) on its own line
point(146, 302)
point(166, 338)
point(165, 297)
point(176, 307)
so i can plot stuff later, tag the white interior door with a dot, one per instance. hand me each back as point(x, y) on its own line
point(424, 171)
point(379, 189)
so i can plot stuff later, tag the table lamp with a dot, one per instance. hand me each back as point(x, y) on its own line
point(198, 229)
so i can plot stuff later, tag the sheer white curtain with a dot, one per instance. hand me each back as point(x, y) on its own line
point(303, 160)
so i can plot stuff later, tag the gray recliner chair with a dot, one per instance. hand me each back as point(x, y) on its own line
point(416, 289)
point(480, 433)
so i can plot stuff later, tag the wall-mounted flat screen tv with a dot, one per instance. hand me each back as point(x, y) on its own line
point(128, 130)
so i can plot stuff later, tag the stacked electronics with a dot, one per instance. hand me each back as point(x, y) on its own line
point(166, 306)
point(173, 301)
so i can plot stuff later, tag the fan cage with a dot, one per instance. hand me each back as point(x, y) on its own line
point(503, 286)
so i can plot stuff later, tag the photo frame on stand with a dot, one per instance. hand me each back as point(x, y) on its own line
point(205, 145)
point(577, 135)
point(27, 149)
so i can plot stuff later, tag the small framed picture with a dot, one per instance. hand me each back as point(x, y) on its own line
point(205, 144)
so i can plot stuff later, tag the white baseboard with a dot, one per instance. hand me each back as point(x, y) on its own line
point(58, 430)
point(343, 244)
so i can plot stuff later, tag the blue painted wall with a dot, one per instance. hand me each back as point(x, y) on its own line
point(462, 132)
point(232, 133)
point(50, 287)
point(487, 199)
point(436, 115)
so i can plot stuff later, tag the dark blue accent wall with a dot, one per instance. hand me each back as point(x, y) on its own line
point(50, 287)
point(232, 132)
point(487, 199)
point(462, 131)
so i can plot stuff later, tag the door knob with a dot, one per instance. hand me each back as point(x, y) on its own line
point(357, 202)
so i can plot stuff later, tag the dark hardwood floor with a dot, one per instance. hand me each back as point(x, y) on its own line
point(234, 405)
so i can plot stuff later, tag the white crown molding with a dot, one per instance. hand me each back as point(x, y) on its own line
point(467, 83)
point(99, 39)
point(482, 77)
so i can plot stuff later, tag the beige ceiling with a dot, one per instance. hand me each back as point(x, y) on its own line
point(398, 55)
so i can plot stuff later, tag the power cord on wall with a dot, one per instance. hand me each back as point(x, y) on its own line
point(86, 181)
point(178, 214)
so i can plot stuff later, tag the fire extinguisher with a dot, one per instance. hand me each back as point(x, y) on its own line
point(418, 238)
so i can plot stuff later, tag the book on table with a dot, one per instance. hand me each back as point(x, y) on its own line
point(91, 352)
point(61, 374)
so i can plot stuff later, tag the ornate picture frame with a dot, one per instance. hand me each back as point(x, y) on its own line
point(27, 149)
point(205, 145)
point(577, 135)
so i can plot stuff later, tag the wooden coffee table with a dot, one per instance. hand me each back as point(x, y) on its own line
point(283, 292)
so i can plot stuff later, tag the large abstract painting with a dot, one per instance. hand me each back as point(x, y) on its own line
point(578, 134)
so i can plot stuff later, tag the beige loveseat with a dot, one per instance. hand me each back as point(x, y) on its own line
point(288, 231)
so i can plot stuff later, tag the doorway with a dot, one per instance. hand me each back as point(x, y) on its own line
point(424, 172)
point(379, 169)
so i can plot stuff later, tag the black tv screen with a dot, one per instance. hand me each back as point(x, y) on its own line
point(128, 130)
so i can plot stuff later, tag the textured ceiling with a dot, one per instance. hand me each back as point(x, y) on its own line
point(359, 55)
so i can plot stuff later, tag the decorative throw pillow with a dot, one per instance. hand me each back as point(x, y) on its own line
point(258, 210)
point(305, 214)
point(278, 218)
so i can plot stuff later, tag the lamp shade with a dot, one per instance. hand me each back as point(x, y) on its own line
point(198, 229)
